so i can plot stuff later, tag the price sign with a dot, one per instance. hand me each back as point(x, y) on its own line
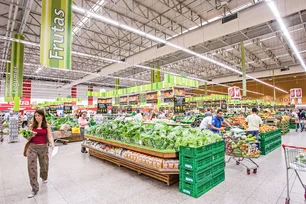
point(129, 110)
point(53, 109)
point(67, 107)
point(102, 108)
point(179, 104)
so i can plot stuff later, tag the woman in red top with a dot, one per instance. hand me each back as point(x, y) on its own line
point(39, 148)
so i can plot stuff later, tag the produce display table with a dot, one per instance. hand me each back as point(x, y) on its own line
point(169, 176)
point(66, 136)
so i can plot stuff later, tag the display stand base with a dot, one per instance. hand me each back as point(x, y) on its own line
point(167, 176)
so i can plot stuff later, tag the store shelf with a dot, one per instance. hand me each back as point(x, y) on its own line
point(169, 176)
point(166, 154)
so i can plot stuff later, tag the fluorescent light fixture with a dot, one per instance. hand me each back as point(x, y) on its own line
point(82, 22)
point(154, 38)
point(283, 27)
point(133, 30)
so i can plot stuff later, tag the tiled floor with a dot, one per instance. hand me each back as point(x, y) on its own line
point(78, 178)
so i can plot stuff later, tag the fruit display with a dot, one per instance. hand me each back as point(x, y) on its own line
point(244, 146)
point(137, 157)
point(266, 128)
point(237, 121)
point(157, 136)
point(26, 133)
point(5, 124)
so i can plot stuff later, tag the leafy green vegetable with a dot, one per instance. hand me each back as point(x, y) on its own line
point(26, 133)
point(158, 136)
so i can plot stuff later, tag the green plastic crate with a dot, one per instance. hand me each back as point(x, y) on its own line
point(217, 157)
point(270, 147)
point(195, 164)
point(198, 176)
point(194, 176)
point(195, 190)
point(196, 151)
point(218, 178)
point(217, 146)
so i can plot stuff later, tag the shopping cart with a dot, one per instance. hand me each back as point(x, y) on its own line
point(295, 159)
point(246, 152)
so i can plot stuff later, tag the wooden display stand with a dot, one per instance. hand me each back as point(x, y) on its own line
point(169, 176)
point(144, 150)
point(74, 138)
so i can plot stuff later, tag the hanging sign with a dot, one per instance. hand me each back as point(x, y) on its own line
point(67, 107)
point(16, 70)
point(234, 92)
point(7, 92)
point(56, 29)
point(53, 109)
point(179, 104)
point(296, 93)
point(102, 105)
point(151, 97)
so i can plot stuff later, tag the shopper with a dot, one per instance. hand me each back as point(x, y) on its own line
point(302, 117)
point(206, 122)
point(24, 120)
point(138, 116)
point(82, 123)
point(217, 121)
point(253, 121)
point(39, 148)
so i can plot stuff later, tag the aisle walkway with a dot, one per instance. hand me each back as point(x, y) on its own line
point(79, 178)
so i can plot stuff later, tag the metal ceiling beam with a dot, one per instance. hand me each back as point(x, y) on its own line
point(283, 43)
point(267, 51)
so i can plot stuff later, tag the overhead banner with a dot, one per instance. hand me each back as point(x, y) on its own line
point(7, 91)
point(56, 32)
point(16, 70)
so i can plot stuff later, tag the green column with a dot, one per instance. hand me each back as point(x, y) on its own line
point(117, 83)
point(274, 92)
point(7, 91)
point(244, 93)
point(152, 75)
point(157, 74)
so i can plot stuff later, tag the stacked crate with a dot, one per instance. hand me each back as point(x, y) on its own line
point(270, 141)
point(201, 168)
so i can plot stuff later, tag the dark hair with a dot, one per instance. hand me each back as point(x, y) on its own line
point(138, 111)
point(219, 111)
point(254, 110)
point(44, 121)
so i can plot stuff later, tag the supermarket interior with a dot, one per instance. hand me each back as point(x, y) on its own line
point(152, 101)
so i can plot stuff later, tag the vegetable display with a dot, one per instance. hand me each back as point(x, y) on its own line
point(58, 122)
point(26, 133)
point(5, 124)
point(158, 136)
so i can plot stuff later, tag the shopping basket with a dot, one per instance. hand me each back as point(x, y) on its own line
point(296, 160)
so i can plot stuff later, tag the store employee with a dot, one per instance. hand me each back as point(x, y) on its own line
point(217, 122)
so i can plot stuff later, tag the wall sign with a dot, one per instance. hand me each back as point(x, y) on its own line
point(151, 97)
point(296, 93)
point(234, 92)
